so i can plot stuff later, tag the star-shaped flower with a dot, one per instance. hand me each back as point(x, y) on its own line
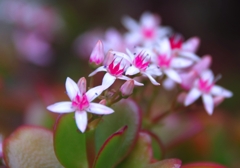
point(205, 87)
point(146, 32)
point(168, 63)
point(115, 70)
point(140, 63)
point(81, 102)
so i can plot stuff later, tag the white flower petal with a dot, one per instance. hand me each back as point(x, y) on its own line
point(122, 55)
point(132, 70)
point(81, 120)
point(149, 20)
point(97, 108)
point(180, 63)
point(165, 47)
point(173, 75)
point(101, 68)
point(220, 91)
point(153, 70)
point(108, 80)
point(127, 78)
point(189, 55)
point(193, 95)
point(154, 82)
point(94, 92)
point(130, 54)
point(169, 84)
point(208, 103)
point(61, 107)
point(207, 75)
point(130, 24)
point(191, 44)
point(72, 88)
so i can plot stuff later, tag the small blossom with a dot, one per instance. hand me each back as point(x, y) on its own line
point(127, 88)
point(140, 63)
point(115, 70)
point(97, 55)
point(168, 63)
point(145, 33)
point(81, 102)
point(205, 87)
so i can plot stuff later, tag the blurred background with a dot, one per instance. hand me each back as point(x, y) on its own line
point(39, 48)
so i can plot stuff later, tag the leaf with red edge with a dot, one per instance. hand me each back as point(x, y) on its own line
point(30, 146)
point(203, 165)
point(69, 142)
point(167, 163)
point(141, 154)
point(110, 150)
point(127, 114)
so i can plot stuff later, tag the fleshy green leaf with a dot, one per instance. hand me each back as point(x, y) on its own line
point(109, 152)
point(203, 165)
point(141, 154)
point(30, 146)
point(126, 114)
point(157, 146)
point(167, 163)
point(70, 143)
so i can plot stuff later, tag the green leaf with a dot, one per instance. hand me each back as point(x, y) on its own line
point(127, 114)
point(109, 152)
point(157, 146)
point(141, 154)
point(30, 146)
point(167, 163)
point(203, 165)
point(70, 143)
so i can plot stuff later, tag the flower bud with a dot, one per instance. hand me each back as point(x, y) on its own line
point(82, 84)
point(97, 55)
point(127, 88)
point(103, 102)
point(109, 58)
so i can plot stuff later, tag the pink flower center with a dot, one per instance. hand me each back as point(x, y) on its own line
point(115, 70)
point(80, 102)
point(164, 61)
point(204, 85)
point(176, 42)
point(141, 62)
point(148, 33)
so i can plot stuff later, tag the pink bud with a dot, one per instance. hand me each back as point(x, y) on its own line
point(82, 84)
point(103, 102)
point(127, 88)
point(97, 55)
point(109, 58)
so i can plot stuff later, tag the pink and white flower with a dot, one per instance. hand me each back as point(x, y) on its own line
point(140, 63)
point(81, 102)
point(185, 49)
point(145, 33)
point(168, 63)
point(115, 70)
point(205, 87)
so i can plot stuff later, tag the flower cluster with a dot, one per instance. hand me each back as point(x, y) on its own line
point(151, 51)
